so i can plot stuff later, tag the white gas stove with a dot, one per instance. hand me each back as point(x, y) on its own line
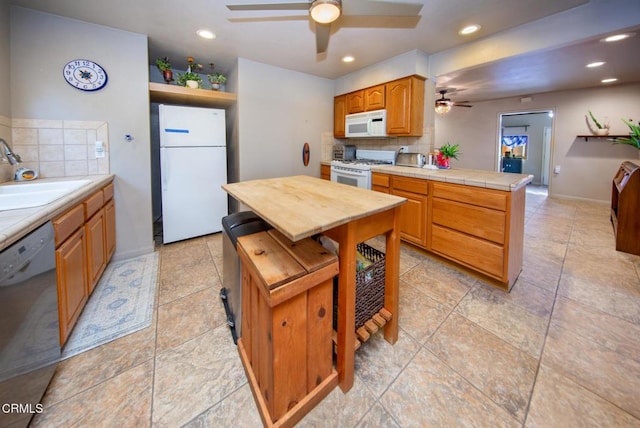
point(357, 172)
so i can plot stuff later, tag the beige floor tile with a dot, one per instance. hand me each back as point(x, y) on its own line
point(377, 417)
point(420, 315)
point(237, 410)
point(181, 320)
point(512, 323)
point(616, 334)
point(193, 377)
point(442, 283)
point(339, 409)
point(122, 401)
point(428, 393)
point(378, 362)
point(559, 402)
point(534, 299)
point(499, 370)
point(92, 367)
point(595, 367)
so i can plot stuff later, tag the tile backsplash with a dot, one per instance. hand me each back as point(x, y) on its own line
point(60, 148)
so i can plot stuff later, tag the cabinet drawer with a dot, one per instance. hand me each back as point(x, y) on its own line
point(108, 192)
point(473, 220)
point(477, 253)
point(68, 223)
point(92, 204)
point(381, 180)
point(488, 198)
point(414, 185)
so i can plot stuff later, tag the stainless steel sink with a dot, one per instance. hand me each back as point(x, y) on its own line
point(35, 194)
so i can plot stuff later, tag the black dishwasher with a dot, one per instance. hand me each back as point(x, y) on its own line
point(29, 327)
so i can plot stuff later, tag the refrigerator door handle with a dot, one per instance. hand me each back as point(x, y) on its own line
point(164, 168)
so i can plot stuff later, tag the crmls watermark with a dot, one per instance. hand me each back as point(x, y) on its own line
point(22, 408)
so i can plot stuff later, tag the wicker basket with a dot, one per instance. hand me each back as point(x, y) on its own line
point(369, 287)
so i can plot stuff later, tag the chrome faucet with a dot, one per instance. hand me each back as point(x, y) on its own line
point(13, 158)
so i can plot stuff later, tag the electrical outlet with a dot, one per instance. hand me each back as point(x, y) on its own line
point(99, 149)
point(556, 170)
point(404, 149)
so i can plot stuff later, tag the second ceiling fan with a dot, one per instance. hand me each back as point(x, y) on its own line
point(443, 105)
point(324, 12)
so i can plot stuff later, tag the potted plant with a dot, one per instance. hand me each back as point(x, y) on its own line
point(216, 80)
point(601, 128)
point(190, 78)
point(446, 152)
point(164, 66)
point(634, 135)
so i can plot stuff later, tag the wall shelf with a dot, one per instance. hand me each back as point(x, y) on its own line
point(600, 137)
point(173, 94)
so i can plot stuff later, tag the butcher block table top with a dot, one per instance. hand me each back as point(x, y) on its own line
point(301, 206)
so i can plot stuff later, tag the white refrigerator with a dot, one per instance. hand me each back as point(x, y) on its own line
point(193, 167)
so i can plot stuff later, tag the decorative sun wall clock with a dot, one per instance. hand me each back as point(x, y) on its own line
point(85, 75)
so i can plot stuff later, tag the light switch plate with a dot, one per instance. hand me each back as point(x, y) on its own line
point(99, 149)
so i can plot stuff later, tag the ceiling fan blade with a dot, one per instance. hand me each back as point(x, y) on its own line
point(379, 7)
point(270, 6)
point(322, 37)
point(461, 105)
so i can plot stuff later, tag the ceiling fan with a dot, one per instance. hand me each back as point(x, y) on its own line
point(324, 12)
point(443, 105)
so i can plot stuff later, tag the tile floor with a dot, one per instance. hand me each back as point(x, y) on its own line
point(562, 349)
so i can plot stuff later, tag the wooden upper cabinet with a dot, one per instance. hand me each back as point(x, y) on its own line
point(355, 102)
point(405, 106)
point(374, 98)
point(339, 113)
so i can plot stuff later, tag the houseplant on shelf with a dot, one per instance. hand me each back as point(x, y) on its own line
point(634, 135)
point(164, 66)
point(601, 128)
point(216, 80)
point(446, 152)
point(190, 78)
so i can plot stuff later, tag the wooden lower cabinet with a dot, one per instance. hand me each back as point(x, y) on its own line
point(73, 289)
point(480, 228)
point(413, 216)
point(110, 228)
point(325, 172)
point(96, 248)
point(85, 242)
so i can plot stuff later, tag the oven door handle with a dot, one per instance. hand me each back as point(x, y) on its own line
point(351, 173)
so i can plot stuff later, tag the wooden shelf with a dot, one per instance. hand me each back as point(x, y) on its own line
point(173, 94)
point(608, 137)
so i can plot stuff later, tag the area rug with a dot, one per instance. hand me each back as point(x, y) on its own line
point(121, 303)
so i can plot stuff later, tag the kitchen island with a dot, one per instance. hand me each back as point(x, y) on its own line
point(472, 217)
point(303, 206)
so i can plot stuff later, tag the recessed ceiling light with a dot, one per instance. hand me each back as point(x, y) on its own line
point(348, 58)
point(617, 37)
point(469, 29)
point(595, 64)
point(609, 80)
point(206, 34)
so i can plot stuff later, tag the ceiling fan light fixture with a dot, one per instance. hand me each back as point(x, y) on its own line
point(442, 107)
point(325, 11)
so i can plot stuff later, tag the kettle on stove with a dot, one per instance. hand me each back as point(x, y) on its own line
point(25, 174)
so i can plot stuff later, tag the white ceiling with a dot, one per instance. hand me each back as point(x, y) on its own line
point(286, 39)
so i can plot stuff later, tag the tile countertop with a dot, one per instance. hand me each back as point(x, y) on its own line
point(471, 177)
point(14, 224)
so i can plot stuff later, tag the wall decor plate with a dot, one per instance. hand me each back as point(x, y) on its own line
point(85, 75)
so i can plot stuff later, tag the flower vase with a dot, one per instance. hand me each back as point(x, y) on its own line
point(215, 86)
point(167, 75)
point(602, 132)
point(442, 161)
point(192, 84)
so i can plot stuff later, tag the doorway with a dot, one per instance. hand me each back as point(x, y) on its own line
point(524, 144)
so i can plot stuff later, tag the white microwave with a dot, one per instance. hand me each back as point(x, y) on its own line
point(369, 124)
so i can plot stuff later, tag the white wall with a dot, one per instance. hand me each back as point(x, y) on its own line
point(6, 170)
point(278, 111)
point(586, 167)
point(42, 44)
